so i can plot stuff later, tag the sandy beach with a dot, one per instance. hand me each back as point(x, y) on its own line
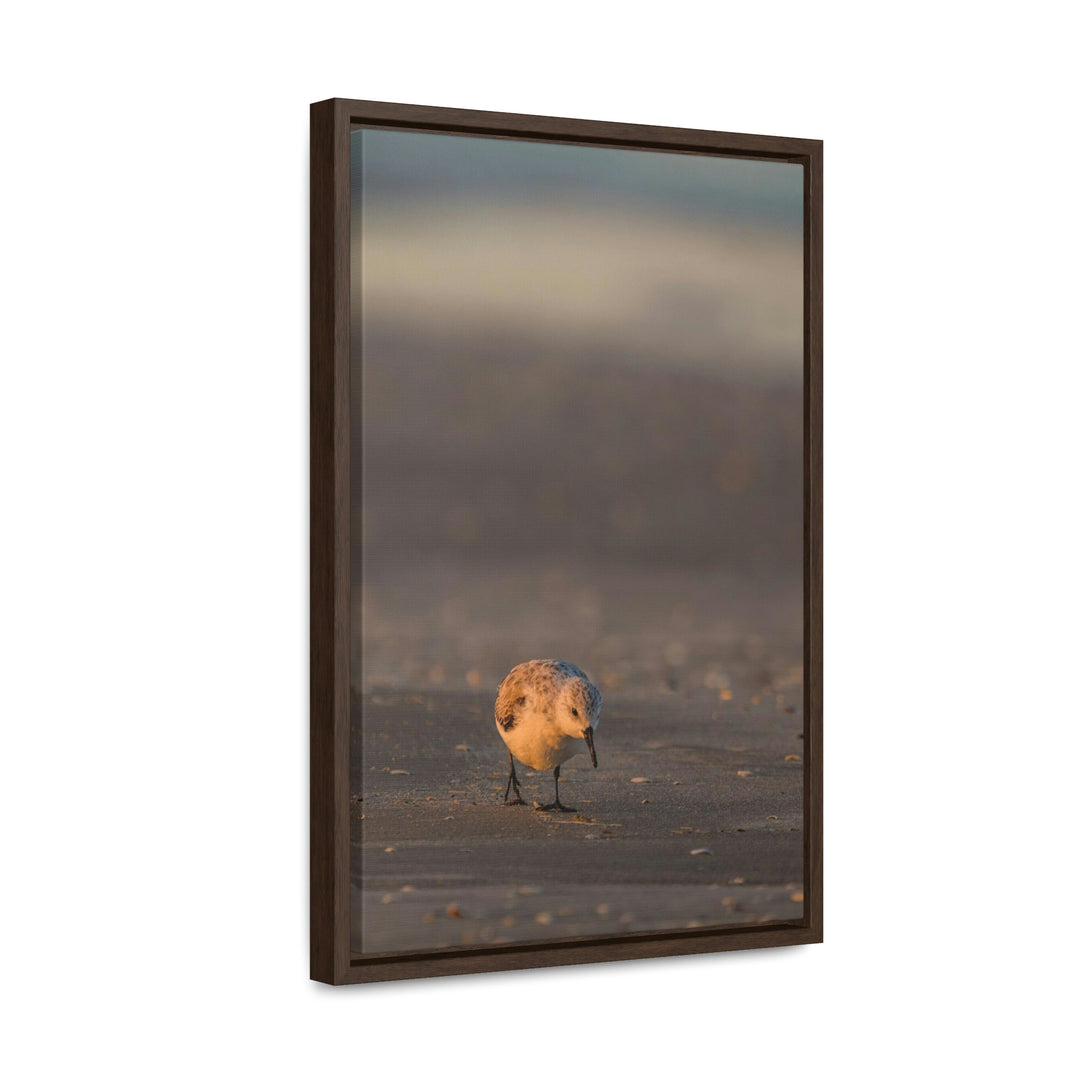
point(693, 818)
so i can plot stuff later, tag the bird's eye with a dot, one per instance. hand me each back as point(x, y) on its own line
point(575, 712)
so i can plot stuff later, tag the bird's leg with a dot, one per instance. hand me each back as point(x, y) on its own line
point(556, 805)
point(517, 799)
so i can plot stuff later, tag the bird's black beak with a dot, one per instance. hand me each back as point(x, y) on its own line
point(592, 749)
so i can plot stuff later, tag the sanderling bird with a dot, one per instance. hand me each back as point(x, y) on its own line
point(543, 711)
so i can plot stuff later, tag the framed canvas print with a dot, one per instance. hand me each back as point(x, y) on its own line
point(565, 541)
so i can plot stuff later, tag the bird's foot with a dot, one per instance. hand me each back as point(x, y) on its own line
point(556, 805)
point(516, 801)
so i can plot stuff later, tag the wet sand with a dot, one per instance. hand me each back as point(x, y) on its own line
point(514, 496)
point(693, 818)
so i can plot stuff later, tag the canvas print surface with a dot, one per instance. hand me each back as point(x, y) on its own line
point(577, 435)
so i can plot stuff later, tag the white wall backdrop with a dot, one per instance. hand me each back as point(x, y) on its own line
point(153, 604)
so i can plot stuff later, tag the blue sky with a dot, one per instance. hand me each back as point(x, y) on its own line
point(421, 165)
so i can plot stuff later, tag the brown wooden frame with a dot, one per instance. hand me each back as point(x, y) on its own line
point(331, 124)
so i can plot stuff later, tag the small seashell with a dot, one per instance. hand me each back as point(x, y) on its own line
point(543, 918)
point(640, 780)
point(737, 881)
point(399, 772)
point(408, 888)
point(461, 746)
point(701, 851)
point(453, 911)
point(744, 773)
point(603, 909)
point(797, 897)
point(792, 757)
point(388, 850)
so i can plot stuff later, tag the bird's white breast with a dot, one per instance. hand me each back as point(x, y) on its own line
point(535, 741)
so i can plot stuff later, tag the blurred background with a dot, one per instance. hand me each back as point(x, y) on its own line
point(577, 414)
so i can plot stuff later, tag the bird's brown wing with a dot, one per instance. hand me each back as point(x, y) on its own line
point(511, 695)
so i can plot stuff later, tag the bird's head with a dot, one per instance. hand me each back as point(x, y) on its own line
point(578, 712)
